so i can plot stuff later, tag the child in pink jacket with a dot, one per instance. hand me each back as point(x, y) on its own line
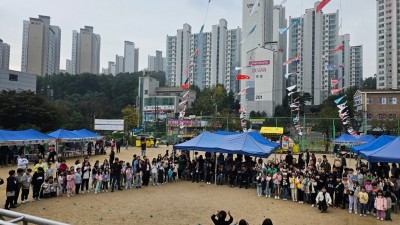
point(380, 205)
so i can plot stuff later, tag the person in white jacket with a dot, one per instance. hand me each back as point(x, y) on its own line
point(323, 200)
point(22, 162)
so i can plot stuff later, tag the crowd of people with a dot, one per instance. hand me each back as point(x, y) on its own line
point(367, 189)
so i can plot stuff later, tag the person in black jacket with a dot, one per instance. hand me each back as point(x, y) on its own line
point(37, 181)
point(289, 158)
point(116, 168)
point(11, 189)
point(219, 218)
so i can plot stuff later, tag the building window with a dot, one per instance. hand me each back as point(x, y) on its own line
point(369, 101)
point(382, 101)
point(393, 100)
point(146, 92)
point(13, 77)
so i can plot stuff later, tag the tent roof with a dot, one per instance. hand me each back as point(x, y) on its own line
point(241, 143)
point(373, 145)
point(389, 153)
point(254, 134)
point(84, 133)
point(347, 138)
point(65, 135)
point(22, 136)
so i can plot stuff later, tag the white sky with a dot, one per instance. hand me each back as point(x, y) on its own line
point(148, 22)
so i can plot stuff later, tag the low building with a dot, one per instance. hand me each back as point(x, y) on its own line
point(375, 105)
point(18, 81)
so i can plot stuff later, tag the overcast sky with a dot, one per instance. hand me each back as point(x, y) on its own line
point(148, 22)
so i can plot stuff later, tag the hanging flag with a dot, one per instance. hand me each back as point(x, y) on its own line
point(291, 88)
point(321, 5)
point(334, 82)
point(290, 93)
point(183, 103)
point(255, 7)
point(341, 110)
point(295, 100)
point(337, 101)
point(293, 105)
point(342, 106)
point(331, 67)
point(182, 114)
point(185, 86)
point(243, 92)
point(283, 30)
point(242, 77)
point(240, 68)
point(250, 32)
point(201, 29)
point(290, 74)
point(186, 95)
point(334, 91)
point(283, 2)
point(338, 49)
point(292, 60)
point(242, 110)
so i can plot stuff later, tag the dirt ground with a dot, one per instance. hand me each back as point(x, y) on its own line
point(182, 202)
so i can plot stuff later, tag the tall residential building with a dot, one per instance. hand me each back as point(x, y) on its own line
point(4, 55)
point(68, 66)
point(85, 51)
point(155, 63)
point(40, 46)
point(316, 35)
point(218, 55)
point(129, 57)
point(388, 44)
point(343, 62)
point(262, 55)
point(111, 68)
point(178, 54)
point(119, 64)
point(356, 66)
point(136, 65)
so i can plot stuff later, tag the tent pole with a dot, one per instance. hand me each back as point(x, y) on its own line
point(216, 168)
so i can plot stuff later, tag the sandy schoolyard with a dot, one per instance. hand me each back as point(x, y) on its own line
point(181, 202)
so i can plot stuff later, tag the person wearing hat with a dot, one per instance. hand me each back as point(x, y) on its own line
point(323, 200)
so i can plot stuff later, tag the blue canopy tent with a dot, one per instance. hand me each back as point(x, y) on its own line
point(366, 138)
point(389, 153)
point(87, 134)
point(241, 143)
point(346, 138)
point(29, 136)
point(373, 145)
point(255, 135)
point(65, 135)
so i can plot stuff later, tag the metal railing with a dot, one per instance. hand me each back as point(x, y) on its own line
point(17, 217)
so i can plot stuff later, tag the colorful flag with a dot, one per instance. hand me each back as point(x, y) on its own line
point(294, 105)
point(243, 92)
point(321, 5)
point(334, 82)
point(242, 77)
point(291, 88)
point(250, 32)
point(283, 30)
point(292, 60)
point(334, 91)
point(185, 86)
point(255, 7)
point(186, 95)
point(331, 67)
point(183, 103)
point(240, 68)
point(337, 101)
point(290, 93)
point(342, 106)
point(290, 74)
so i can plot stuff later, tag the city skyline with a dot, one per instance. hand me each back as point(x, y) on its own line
point(153, 31)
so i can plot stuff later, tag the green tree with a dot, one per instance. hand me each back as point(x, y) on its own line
point(369, 83)
point(131, 117)
point(27, 109)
